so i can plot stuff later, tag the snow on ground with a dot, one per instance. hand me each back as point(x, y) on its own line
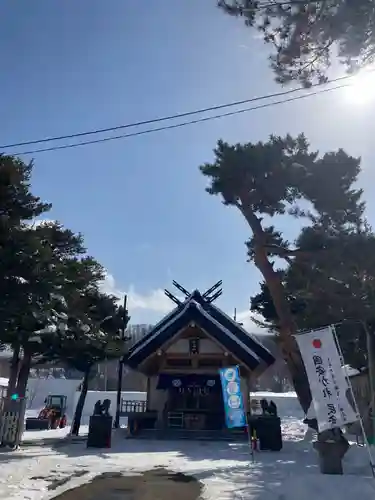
point(226, 470)
point(52, 434)
point(36, 435)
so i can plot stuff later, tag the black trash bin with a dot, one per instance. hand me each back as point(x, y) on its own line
point(100, 431)
point(268, 432)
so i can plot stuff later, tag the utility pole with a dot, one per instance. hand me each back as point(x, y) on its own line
point(105, 375)
point(370, 345)
point(121, 365)
point(371, 375)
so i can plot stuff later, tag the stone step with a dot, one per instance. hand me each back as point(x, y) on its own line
point(174, 434)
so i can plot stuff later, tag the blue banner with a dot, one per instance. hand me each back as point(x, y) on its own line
point(232, 396)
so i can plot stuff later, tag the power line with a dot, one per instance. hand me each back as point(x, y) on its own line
point(170, 117)
point(153, 120)
point(182, 124)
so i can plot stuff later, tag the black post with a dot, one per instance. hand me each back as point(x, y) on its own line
point(121, 367)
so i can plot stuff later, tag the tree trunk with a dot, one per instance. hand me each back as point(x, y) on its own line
point(332, 445)
point(14, 368)
point(80, 404)
point(287, 326)
point(287, 329)
point(23, 375)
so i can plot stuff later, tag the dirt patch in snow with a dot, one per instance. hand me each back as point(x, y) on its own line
point(55, 481)
point(156, 484)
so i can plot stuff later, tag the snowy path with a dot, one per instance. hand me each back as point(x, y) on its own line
point(50, 435)
point(225, 470)
point(42, 472)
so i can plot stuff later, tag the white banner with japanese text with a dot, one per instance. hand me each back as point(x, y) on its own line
point(329, 387)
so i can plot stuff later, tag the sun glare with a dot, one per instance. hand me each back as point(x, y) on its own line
point(362, 89)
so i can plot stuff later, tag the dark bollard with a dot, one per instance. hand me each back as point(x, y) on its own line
point(330, 456)
point(100, 426)
point(268, 432)
point(100, 431)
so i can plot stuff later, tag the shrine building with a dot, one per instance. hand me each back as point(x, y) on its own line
point(181, 357)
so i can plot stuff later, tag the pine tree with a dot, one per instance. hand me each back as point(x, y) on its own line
point(336, 286)
point(305, 36)
point(275, 178)
point(42, 267)
point(93, 335)
point(17, 205)
point(45, 271)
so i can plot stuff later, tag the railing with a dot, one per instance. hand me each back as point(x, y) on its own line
point(175, 420)
point(128, 406)
point(2, 403)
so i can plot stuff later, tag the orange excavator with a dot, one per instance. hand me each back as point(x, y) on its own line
point(52, 416)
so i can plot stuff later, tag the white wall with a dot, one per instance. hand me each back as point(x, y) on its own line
point(286, 402)
point(93, 396)
point(38, 389)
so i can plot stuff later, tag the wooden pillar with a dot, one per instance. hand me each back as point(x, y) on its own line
point(148, 385)
point(248, 385)
point(245, 389)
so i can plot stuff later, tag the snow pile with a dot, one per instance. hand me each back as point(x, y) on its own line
point(6, 352)
point(4, 382)
point(350, 371)
point(32, 413)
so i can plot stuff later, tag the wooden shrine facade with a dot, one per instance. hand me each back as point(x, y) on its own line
point(181, 357)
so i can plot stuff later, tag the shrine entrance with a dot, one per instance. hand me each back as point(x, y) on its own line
point(194, 402)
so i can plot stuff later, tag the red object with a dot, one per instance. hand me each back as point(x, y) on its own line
point(63, 422)
point(317, 343)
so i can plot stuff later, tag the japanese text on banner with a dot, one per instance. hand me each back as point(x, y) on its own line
point(328, 384)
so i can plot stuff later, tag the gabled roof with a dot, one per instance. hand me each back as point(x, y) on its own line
point(235, 339)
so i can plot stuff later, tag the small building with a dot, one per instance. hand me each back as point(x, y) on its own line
point(3, 387)
point(181, 357)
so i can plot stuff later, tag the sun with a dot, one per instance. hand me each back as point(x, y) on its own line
point(361, 90)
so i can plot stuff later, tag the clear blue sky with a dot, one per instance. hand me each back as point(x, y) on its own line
point(74, 65)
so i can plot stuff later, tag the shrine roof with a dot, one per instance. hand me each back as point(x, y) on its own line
point(219, 326)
